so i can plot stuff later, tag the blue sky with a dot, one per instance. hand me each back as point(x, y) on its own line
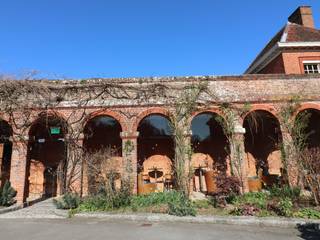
point(137, 38)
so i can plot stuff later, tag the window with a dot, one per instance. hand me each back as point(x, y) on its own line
point(311, 67)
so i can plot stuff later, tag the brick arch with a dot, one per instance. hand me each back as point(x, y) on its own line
point(160, 111)
point(157, 149)
point(51, 113)
point(306, 106)
point(212, 111)
point(215, 150)
point(41, 165)
point(37, 117)
point(312, 127)
point(107, 112)
point(267, 108)
point(262, 147)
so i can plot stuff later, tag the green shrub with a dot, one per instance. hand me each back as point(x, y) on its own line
point(94, 203)
point(183, 207)
point(68, 201)
point(118, 199)
point(285, 192)
point(285, 207)
point(7, 194)
point(307, 213)
point(155, 199)
point(231, 198)
point(204, 204)
point(256, 199)
point(177, 203)
point(108, 198)
point(104, 202)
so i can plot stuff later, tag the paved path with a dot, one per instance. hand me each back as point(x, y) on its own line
point(94, 229)
point(43, 209)
point(44, 221)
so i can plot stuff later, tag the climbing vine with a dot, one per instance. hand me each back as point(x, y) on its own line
point(183, 108)
point(228, 121)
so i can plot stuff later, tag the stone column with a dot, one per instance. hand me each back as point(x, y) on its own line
point(188, 163)
point(82, 181)
point(1, 160)
point(18, 171)
point(291, 175)
point(130, 156)
point(238, 161)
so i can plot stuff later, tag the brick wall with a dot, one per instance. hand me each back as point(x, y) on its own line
point(290, 62)
point(275, 66)
point(293, 61)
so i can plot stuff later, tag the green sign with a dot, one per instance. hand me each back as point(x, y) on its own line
point(55, 130)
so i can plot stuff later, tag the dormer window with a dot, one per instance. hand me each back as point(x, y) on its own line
point(311, 67)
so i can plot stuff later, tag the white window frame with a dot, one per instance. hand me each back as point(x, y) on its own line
point(311, 69)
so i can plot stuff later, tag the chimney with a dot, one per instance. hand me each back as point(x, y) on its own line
point(302, 16)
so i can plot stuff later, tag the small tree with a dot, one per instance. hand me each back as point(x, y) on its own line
point(103, 167)
point(7, 194)
point(309, 162)
point(228, 123)
point(292, 147)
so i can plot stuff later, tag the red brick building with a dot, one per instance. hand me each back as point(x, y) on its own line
point(286, 69)
point(293, 50)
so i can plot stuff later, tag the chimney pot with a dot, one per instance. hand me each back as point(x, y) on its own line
point(302, 16)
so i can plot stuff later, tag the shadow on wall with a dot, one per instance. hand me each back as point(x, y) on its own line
point(312, 129)
point(103, 132)
point(309, 231)
point(208, 138)
point(155, 138)
point(263, 139)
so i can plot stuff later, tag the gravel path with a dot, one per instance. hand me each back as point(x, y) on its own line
point(43, 209)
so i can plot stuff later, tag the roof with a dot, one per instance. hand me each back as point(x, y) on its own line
point(291, 32)
point(299, 33)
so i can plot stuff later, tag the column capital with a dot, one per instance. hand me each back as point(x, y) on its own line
point(129, 135)
point(187, 133)
point(79, 137)
point(238, 129)
point(18, 138)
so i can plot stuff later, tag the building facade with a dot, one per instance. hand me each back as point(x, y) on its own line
point(293, 50)
point(47, 126)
